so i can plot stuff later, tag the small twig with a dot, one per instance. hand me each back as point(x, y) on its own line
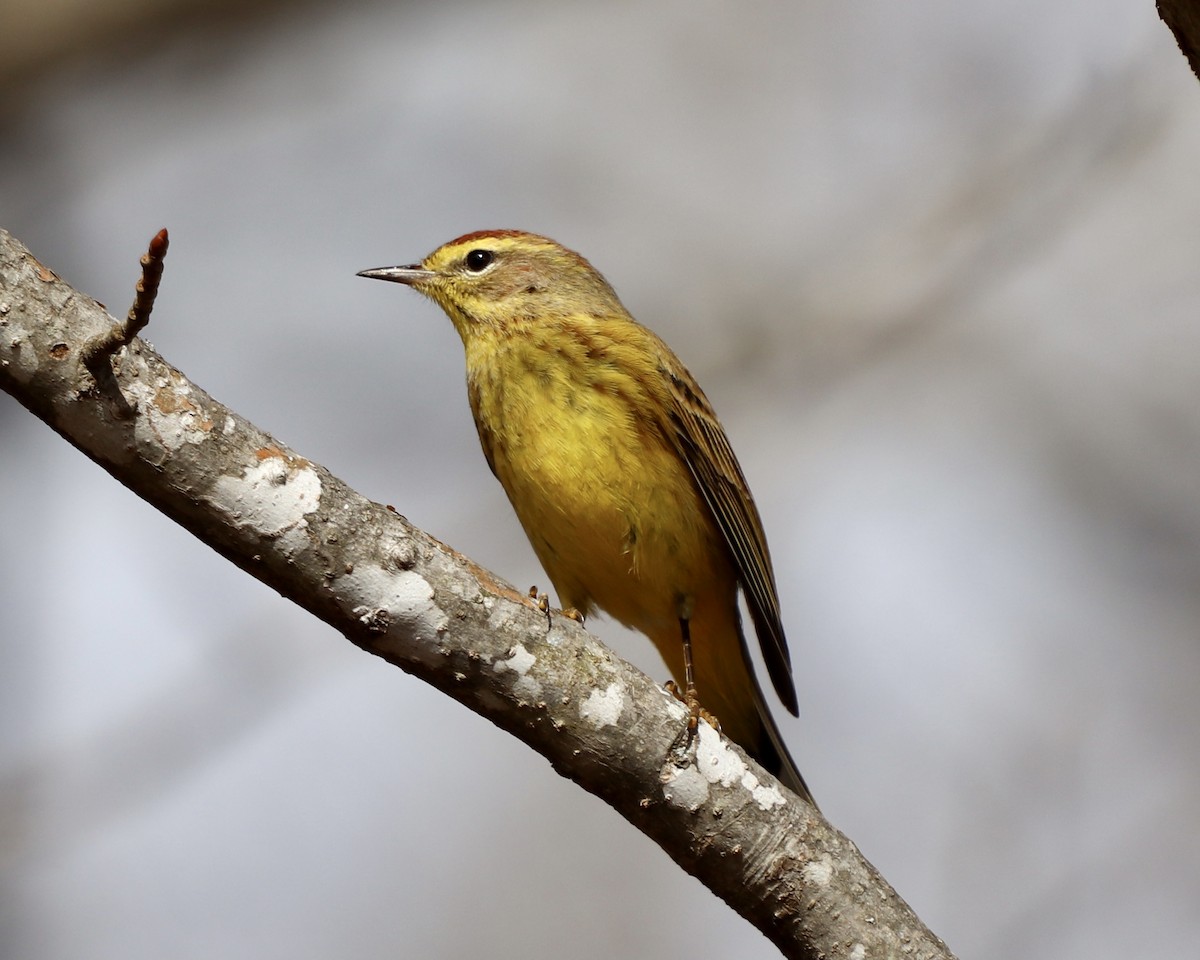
point(102, 347)
point(147, 287)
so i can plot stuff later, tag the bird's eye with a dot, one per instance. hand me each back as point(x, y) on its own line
point(479, 260)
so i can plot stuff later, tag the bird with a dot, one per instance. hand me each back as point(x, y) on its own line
point(618, 470)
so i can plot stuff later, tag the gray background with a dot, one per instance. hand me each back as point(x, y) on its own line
point(936, 265)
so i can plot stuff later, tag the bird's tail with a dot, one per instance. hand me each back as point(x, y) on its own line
point(773, 755)
point(769, 749)
point(727, 685)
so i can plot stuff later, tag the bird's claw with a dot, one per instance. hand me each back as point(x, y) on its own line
point(696, 710)
point(542, 602)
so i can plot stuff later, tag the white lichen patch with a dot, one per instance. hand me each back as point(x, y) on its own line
point(521, 661)
point(858, 952)
point(170, 418)
point(685, 788)
point(765, 795)
point(293, 542)
point(818, 872)
point(380, 598)
point(715, 761)
point(274, 495)
point(718, 763)
point(602, 708)
point(499, 615)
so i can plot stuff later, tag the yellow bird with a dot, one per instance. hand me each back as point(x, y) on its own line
point(617, 468)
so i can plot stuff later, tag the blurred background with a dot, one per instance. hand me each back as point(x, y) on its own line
point(937, 264)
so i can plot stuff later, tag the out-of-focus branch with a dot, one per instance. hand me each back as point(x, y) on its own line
point(401, 595)
point(1183, 17)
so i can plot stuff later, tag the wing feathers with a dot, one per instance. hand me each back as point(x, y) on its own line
point(705, 448)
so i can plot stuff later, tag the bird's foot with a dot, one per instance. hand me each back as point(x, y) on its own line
point(542, 602)
point(683, 748)
point(697, 711)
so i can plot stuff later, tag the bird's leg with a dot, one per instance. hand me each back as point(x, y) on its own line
point(689, 697)
point(683, 743)
point(689, 674)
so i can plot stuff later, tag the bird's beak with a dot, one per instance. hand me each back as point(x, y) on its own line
point(412, 275)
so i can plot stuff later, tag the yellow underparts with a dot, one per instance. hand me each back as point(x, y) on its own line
point(608, 504)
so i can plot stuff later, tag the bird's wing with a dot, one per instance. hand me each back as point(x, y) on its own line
point(700, 439)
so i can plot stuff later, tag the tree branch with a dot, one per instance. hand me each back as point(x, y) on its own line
point(1183, 18)
point(398, 593)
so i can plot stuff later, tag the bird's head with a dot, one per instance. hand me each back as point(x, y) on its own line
point(491, 277)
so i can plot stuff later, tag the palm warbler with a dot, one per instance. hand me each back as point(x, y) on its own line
point(616, 467)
